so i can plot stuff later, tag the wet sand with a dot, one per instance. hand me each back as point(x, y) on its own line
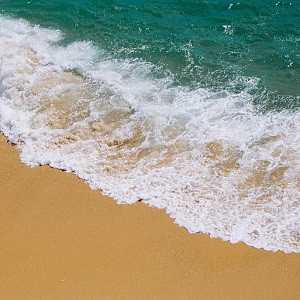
point(61, 240)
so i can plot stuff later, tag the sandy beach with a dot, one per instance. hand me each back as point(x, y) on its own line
point(61, 240)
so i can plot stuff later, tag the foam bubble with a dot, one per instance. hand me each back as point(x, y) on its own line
point(209, 158)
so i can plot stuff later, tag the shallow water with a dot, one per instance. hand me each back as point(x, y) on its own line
point(188, 106)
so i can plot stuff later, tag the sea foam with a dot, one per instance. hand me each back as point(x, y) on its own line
point(210, 158)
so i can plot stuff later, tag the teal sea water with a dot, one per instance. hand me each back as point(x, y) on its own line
point(191, 106)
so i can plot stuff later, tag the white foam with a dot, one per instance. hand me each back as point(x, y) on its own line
point(209, 158)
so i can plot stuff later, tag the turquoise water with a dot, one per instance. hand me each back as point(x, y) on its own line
point(203, 43)
point(192, 106)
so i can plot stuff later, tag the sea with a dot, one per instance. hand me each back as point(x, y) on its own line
point(191, 106)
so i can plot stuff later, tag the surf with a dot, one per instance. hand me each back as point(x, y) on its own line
point(215, 162)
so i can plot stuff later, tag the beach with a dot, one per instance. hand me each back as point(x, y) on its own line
point(61, 240)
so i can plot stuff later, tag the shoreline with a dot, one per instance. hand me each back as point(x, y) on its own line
point(61, 240)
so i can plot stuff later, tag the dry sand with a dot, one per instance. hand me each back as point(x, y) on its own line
point(61, 240)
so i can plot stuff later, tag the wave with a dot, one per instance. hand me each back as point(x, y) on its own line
point(215, 163)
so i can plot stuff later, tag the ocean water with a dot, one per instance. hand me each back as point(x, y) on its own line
point(189, 106)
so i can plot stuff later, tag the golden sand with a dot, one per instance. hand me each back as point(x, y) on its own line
point(61, 240)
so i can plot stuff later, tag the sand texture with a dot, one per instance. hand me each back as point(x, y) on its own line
point(61, 240)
